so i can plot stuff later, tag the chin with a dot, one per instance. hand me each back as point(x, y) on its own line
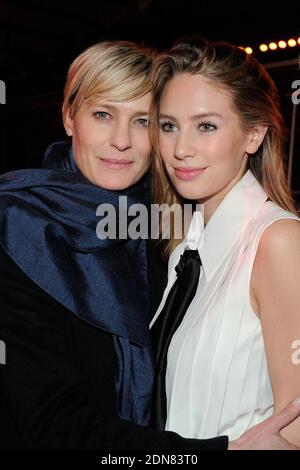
point(114, 184)
point(188, 193)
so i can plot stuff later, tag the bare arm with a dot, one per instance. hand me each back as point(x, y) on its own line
point(276, 285)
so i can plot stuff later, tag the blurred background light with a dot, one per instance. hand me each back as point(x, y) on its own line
point(273, 46)
point(292, 42)
point(282, 44)
point(263, 47)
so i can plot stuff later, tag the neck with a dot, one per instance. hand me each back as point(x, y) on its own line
point(210, 206)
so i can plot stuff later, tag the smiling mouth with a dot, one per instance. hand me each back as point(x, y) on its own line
point(188, 173)
point(116, 164)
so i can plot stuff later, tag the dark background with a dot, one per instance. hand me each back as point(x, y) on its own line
point(39, 40)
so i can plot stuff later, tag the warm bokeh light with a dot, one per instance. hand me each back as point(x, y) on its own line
point(273, 46)
point(282, 44)
point(263, 47)
point(292, 42)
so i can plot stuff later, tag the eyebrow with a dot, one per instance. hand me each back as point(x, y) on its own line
point(114, 108)
point(194, 117)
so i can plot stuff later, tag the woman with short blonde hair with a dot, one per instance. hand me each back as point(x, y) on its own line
point(119, 70)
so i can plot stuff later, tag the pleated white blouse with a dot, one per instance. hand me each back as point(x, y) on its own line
point(217, 378)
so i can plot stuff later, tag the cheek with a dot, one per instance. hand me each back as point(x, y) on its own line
point(216, 147)
point(82, 138)
point(166, 148)
point(91, 134)
point(143, 148)
point(81, 150)
point(144, 163)
point(222, 150)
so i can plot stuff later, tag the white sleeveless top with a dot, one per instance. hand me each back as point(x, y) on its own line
point(217, 380)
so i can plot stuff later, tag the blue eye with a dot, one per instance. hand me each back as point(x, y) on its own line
point(101, 115)
point(167, 126)
point(143, 122)
point(207, 127)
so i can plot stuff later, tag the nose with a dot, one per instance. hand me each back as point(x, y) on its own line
point(184, 146)
point(120, 136)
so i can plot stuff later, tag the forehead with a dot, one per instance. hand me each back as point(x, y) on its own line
point(194, 94)
point(141, 104)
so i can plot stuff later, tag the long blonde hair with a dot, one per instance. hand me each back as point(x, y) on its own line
point(256, 101)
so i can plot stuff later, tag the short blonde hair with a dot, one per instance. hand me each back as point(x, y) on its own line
point(116, 70)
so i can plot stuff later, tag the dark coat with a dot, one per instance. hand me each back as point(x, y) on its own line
point(57, 388)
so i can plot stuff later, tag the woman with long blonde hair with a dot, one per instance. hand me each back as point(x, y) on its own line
point(230, 361)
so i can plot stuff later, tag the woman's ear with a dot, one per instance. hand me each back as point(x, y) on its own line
point(256, 136)
point(68, 123)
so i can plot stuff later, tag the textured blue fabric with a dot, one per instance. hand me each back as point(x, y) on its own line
point(48, 227)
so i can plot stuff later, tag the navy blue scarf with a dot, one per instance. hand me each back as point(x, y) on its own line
point(48, 227)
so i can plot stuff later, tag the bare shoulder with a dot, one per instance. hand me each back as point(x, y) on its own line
point(277, 261)
point(278, 251)
point(280, 238)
